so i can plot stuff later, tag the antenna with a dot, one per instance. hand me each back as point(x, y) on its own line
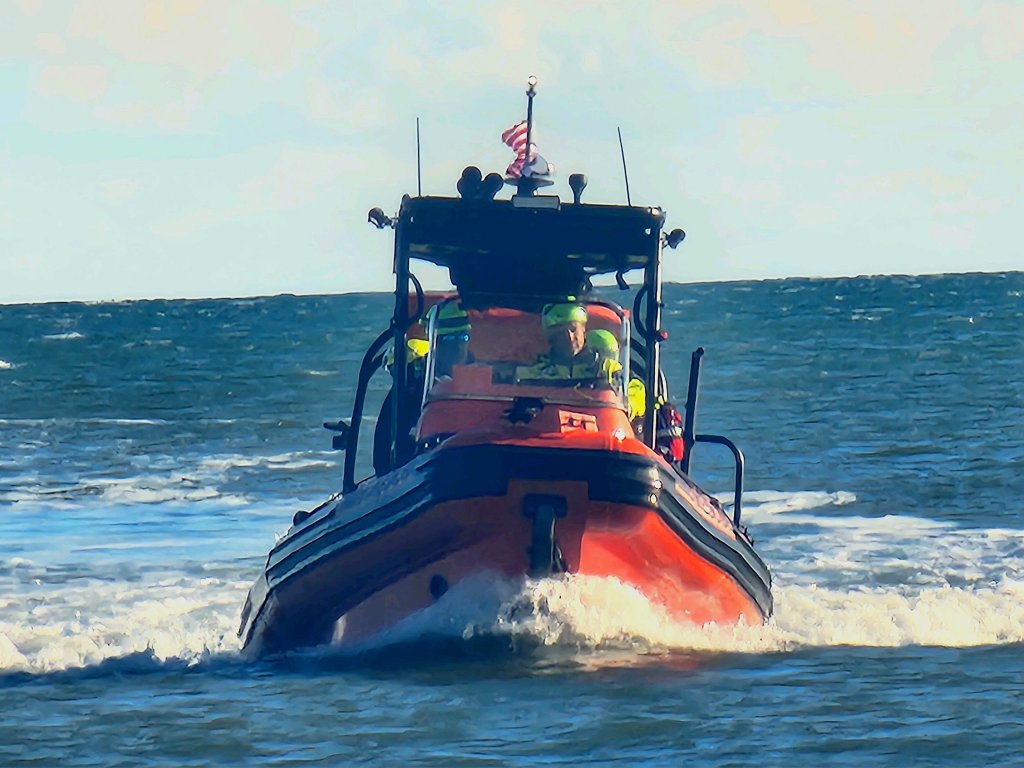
point(625, 175)
point(419, 171)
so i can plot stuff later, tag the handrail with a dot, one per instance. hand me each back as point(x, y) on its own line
point(690, 411)
point(690, 437)
point(737, 498)
point(371, 362)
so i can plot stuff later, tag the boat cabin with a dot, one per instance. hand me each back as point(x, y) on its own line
point(507, 260)
point(474, 386)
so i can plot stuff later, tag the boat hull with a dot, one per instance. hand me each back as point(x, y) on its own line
point(361, 563)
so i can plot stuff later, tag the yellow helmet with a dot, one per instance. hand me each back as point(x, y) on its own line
point(560, 314)
point(603, 342)
point(449, 318)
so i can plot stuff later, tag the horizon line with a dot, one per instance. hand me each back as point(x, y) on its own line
point(254, 296)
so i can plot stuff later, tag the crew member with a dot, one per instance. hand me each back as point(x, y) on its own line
point(607, 346)
point(451, 328)
point(568, 357)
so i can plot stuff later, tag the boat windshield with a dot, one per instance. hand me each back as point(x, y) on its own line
point(500, 353)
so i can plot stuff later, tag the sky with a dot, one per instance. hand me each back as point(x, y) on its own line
point(178, 148)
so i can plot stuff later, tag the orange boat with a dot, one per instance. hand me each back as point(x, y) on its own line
point(481, 467)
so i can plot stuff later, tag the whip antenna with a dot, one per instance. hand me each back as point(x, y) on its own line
point(419, 171)
point(625, 175)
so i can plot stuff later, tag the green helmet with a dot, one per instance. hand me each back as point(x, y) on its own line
point(603, 342)
point(449, 318)
point(560, 314)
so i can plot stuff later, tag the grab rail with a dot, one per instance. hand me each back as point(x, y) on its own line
point(371, 362)
point(690, 437)
point(737, 498)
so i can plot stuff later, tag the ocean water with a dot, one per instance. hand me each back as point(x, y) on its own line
point(151, 451)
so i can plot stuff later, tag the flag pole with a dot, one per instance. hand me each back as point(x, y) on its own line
point(524, 185)
point(530, 93)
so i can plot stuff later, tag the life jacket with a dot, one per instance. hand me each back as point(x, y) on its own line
point(669, 437)
point(636, 398)
point(415, 356)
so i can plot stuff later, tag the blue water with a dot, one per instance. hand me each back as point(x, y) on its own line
point(151, 451)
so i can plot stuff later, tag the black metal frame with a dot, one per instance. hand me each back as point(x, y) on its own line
point(371, 362)
point(399, 325)
point(546, 253)
point(575, 242)
point(690, 437)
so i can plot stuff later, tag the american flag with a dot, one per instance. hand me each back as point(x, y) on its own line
point(515, 137)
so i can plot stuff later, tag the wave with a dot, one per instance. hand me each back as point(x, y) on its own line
point(143, 489)
point(6, 366)
point(67, 421)
point(897, 552)
point(294, 460)
point(105, 420)
point(840, 580)
point(760, 504)
point(70, 336)
point(203, 480)
point(156, 489)
point(124, 422)
point(179, 619)
point(604, 614)
point(188, 621)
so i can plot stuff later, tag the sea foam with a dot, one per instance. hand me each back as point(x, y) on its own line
point(182, 618)
point(605, 614)
point(867, 581)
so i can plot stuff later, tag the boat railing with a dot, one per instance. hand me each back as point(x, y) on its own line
point(691, 437)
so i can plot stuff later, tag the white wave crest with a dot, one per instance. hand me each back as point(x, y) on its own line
point(202, 481)
point(70, 336)
point(124, 422)
point(6, 366)
point(757, 504)
point(600, 613)
point(841, 579)
point(892, 551)
point(191, 618)
point(139, 489)
point(295, 460)
point(942, 616)
point(155, 489)
point(10, 656)
point(182, 618)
